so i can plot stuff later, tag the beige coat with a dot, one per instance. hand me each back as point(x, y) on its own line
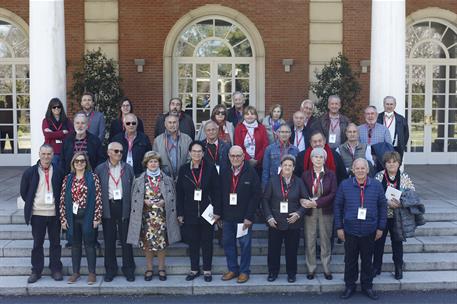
point(167, 188)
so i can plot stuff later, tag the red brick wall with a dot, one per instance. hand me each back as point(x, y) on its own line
point(145, 24)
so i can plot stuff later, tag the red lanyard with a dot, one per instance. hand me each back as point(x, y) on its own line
point(285, 192)
point(333, 126)
point(316, 182)
point(78, 190)
point(298, 139)
point(370, 134)
point(46, 178)
point(250, 137)
point(236, 179)
point(214, 157)
point(352, 151)
point(165, 139)
point(388, 182)
point(116, 182)
point(362, 192)
point(151, 183)
point(57, 129)
point(197, 182)
point(130, 142)
point(282, 148)
point(391, 121)
point(90, 119)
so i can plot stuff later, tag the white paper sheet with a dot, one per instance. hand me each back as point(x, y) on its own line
point(391, 192)
point(239, 230)
point(208, 214)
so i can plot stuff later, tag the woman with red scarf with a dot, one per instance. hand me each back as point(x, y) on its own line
point(219, 116)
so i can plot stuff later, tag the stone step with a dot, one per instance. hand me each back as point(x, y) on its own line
point(176, 284)
point(17, 266)
point(22, 248)
point(24, 232)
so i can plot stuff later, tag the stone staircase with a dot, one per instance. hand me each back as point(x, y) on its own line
point(430, 262)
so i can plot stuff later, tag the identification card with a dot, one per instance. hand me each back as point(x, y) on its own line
point(48, 199)
point(233, 199)
point(198, 195)
point(117, 194)
point(58, 141)
point(284, 207)
point(218, 168)
point(279, 170)
point(332, 138)
point(362, 214)
point(75, 208)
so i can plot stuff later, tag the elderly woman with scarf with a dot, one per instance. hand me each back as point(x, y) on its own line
point(225, 131)
point(272, 122)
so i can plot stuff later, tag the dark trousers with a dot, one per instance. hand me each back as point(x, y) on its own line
point(39, 226)
point(353, 247)
point(111, 228)
point(200, 236)
point(76, 248)
point(291, 238)
point(397, 247)
point(401, 152)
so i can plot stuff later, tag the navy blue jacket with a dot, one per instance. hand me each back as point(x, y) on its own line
point(29, 185)
point(222, 154)
point(347, 203)
point(141, 145)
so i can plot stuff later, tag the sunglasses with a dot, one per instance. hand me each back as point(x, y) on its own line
point(57, 107)
point(133, 123)
point(117, 151)
point(80, 161)
point(220, 113)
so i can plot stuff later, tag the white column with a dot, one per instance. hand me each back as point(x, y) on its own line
point(47, 63)
point(387, 74)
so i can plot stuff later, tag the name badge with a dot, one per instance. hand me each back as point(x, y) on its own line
point(332, 138)
point(75, 208)
point(284, 207)
point(48, 199)
point(279, 170)
point(362, 214)
point(218, 168)
point(58, 141)
point(233, 199)
point(117, 194)
point(198, 195)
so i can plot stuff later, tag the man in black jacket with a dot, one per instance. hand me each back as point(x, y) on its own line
point(397, 125)
point(134, 143)
point(241, 194)
point(83, 141)
point(186, 124)
point(40, 190)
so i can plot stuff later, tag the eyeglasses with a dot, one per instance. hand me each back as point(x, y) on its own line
point(220, 113)
point(117, 151)
point(128, 123)
point(236, 155)
point(56, 107)
point(80, 161)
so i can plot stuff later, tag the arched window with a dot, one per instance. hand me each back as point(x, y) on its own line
point(14, 90)
point(431, 90)
point(213, 57)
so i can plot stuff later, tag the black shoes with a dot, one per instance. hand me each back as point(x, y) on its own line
point(162, 275)
point(291, 278)
point(148, 275)
point(398, 272)
point(370, 293)
point(348, 292)
point(272, 277)
point(33, 278)
point(376, 272)
point(310, 276)
point(57, 276)
point(108, 277)
point(192, 275)
point(207, 277)
point(130, 277)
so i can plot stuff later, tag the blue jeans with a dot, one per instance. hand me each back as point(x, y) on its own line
point(230, 248)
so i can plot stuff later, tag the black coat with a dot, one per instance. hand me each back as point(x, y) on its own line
point(29, 184)
point(273, 196)
point(232, 117)
point(141, 145)
point(95, 152)
point(401, 130)
point(185, 186)
point(186, 124)
point(249, 195)
point(116, 127)
point(222, 154)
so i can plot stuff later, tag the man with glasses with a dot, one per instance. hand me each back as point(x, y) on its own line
point(372, 132)
point(186, 124)
point(116, 178)
point(95, 120)
point(272, 158)
point(40, 190)
point(216, 150)
point(241, 194)
point(135, 144)
point(172, 146)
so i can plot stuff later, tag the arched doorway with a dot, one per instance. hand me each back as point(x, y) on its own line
point(431, 91)
point(14, 90)
point(210, 53)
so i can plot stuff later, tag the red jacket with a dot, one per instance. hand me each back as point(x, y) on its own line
point(51, 137)
point(261, 141)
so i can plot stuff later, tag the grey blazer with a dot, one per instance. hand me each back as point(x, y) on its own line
point(167, 188)
point(127, 180)
point(183, 153)
point(228, 127)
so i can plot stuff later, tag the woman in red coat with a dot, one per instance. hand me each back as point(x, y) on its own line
point(252, 137)
point(56, 127)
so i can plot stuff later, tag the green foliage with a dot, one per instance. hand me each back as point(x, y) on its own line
point(337, 78)
point(99, 75)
